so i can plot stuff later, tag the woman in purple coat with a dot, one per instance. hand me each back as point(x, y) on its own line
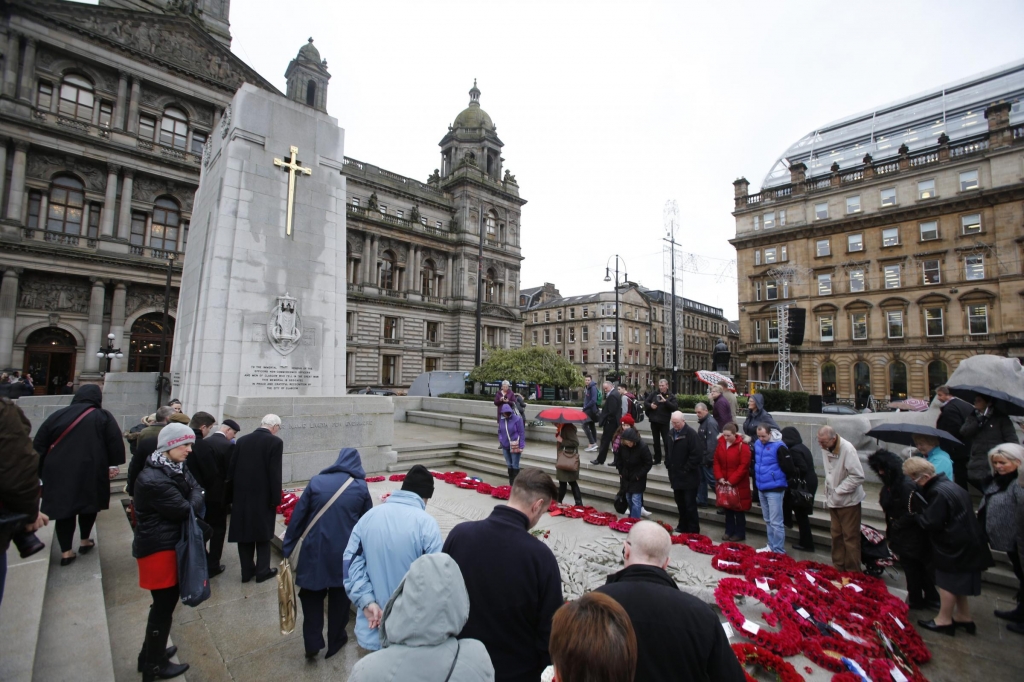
point(512, 439)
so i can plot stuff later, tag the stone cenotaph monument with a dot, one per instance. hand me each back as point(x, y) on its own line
point(261, 314)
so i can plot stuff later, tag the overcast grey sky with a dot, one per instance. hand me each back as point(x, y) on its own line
point(608, 109)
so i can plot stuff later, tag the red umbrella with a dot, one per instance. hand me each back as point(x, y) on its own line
point(562, 415)
point(711, 378)
point(910, 405)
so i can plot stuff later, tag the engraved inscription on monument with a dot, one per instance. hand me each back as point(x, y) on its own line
point(280, 378)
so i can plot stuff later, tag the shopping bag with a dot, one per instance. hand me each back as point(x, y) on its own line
point(727, 497)
point(286, 597)
point(193, 575)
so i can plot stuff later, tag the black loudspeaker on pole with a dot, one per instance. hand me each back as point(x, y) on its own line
point(797, 322)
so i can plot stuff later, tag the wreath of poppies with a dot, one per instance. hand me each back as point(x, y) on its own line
point(577, 512)
point(729, 557)
point(484, 488)
point(501, 492)
point(623, 525)
point(396, 477)
point(374, 479)
point(597, 518)
point(749, 654)
point(786, 641)
point(701, 544)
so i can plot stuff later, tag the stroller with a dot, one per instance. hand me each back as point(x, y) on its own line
point(874, 551)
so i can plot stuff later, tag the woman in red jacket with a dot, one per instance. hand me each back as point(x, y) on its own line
point(732, 467)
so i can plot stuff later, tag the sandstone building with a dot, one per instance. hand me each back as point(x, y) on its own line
point(898, 230)
point(104, 115)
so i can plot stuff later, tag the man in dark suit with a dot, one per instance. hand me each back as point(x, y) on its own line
point(255, 473)
point(202, 463)
point(611, 414)
point(952, 415)
point(683, 461)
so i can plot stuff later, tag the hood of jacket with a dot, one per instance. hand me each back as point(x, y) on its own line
point(759, 401)
point(888, 465)
point(506, 409)
point(348, 462)
point(89, 394)
point(430, 605)
point(791, 436)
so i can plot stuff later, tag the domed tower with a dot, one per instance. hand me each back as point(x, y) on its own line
point(307, 78)
point(472, 140)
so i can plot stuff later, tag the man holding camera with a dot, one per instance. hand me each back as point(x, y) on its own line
point(659, 407)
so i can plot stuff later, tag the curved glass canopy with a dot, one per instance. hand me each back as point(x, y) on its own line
point(957, 109)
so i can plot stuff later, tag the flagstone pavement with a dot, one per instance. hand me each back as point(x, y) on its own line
point(235, 635)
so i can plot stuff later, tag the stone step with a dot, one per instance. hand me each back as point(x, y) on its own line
point(462, 423)
point(22, 609)
point(74, 638)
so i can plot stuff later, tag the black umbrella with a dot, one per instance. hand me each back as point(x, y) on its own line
point(903, 434)
point(1004, 402)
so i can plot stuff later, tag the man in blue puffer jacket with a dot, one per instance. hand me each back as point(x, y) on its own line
point(383, 545)
point(772, 465)
point(319, 573)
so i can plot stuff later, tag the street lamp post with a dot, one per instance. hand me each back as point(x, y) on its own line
point(162, 383)
point(109, 352)
point(608, 278)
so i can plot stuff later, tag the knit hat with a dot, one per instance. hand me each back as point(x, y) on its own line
point(419, 481)
point(627, 420)
point(173, 435)
point(632, 435)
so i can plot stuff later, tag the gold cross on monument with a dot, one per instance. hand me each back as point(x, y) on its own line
point(292, 166)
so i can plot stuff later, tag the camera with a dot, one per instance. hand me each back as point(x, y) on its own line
point(27, 543)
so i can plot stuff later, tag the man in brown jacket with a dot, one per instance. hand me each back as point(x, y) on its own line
point(19, 476)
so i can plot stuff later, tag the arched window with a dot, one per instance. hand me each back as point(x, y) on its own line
point(428, 277)
point(144, 349)
point(66, 204)
point(861, 384)
point(898, 381)
point(174, 128)
point(311, 93)
point(76, 98)
point(828, 383)
point(166, 223)
point(492, 225)
point(50, 359)
point(388, 271)
point(937, 375)
point(490, 288)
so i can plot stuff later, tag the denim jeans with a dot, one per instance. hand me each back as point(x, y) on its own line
point(707, 480)
point(736, 524)
point(636, 502)
point(511, 460)
point(771, 511)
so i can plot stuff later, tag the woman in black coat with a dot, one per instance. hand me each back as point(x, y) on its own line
point(634, 461)
point(899, 499)
point(804, 463)
point(165, 493)
point(958, 546)
point(76, 466)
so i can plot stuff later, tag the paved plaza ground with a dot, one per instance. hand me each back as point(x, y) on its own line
point(235, 635)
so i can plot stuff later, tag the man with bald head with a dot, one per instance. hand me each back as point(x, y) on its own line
point(844, 491)
point(678, 636)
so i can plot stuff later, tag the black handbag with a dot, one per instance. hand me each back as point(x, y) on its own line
point(802, 499)
point(621, 503)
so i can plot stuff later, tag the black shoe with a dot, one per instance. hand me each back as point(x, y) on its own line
point(166, 671)
point(246, 579)
point(331, 652)
point(28, 544)
point(267, 576)
point(85, 549)
point(596, 462)
point(1014, 616)
point(970, 626)
point(678, 529)
point(215, 570)
point(802, 548)
point(171, 650)
point(657, 462)
point(1016, 627)
point(942, 629)
point(721, 511)
point(311, 655)
point(65, 560)
point(578, 501)
point(613, 464)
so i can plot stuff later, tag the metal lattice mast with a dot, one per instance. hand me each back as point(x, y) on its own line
point(673, 276)
point(783, 361)
point(784, 275)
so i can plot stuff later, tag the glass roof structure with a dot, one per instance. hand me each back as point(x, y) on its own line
point(957, 109)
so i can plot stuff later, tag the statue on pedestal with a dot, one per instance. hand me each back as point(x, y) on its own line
point(720, 357)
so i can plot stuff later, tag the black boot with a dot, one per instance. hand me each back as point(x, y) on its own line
point(160, 668)
point(512, 476)
point(561, 492)
point(577, 498)
point(168, 652)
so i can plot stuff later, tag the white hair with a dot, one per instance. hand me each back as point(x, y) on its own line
point(505, 383)
point(270, 421)
point(1010, 451)
point(678, 415)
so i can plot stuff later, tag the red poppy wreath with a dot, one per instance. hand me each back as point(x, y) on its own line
point(749, 654)
point(786, 641)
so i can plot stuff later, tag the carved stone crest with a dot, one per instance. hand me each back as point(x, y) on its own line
point(225, 122)
point(284, 326)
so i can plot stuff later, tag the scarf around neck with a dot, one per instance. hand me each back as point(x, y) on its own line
point(160, 458)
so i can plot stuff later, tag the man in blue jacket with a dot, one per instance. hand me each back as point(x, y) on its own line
point(383, 545)
point(319, 573)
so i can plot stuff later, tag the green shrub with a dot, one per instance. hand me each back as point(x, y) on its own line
point(776, 400)
point(690, 401)
point(798, 401)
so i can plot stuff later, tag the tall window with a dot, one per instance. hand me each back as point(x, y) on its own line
point(823, 248)
point(147, 128)
point(859, 326)
point(388, 271)
point(853, 204)
point(388, 370)
point(769, 220)
point(76, 98)
point(828, 382)
point(891, 274)
point(174, 128)
point(44, 96)
point(974, 267)
point(926, 189)
point(166, 223)
point(66, 205)
point(894, 323)
point(977, 319)
point(433, 331)
point(35, 204)
point(826, 328)
point(391, 328)
point(825, 284)
point(491, 288)
point(897, 381)
point(861, 384)
point(428, 275)
point(771, 289)
point(929, 231)
point(855, 242)
point(198, 142)
point(968, 180)
point(937, 375)
point(431, 364)
point(971, 224)
point(932, 272)
point(138, 236)
point(933, 322)
point(535, 337)
point(888, 197)
point(492, 225)
point(585, 334)
point(773, 330)
point(891, 236)
point(856, 281)
point(821, 211)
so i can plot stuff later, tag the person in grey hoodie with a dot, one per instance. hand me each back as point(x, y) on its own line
point(419, 628)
